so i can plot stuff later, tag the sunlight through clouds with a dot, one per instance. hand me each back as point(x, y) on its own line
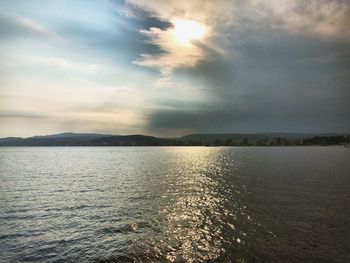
point(171, 67)
point(177, 42)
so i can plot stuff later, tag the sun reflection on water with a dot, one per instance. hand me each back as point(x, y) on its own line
point(194, 209)
point(172, 204)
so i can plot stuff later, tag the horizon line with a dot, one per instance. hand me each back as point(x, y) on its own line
point(205, 133)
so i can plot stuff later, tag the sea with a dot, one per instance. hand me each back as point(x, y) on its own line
point(175, 204)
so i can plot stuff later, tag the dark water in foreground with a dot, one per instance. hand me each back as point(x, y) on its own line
point(281, 204)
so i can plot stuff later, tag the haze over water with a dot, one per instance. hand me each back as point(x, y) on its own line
point(182, 204)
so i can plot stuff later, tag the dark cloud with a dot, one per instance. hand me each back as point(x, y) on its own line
point(264, 66)
point(273, 80)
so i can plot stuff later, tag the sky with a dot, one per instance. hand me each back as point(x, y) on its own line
point(171, 68)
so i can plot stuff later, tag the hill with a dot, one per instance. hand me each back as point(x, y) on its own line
point(85, 139)
point(227, 139)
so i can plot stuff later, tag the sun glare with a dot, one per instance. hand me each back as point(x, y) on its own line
point(186, 31)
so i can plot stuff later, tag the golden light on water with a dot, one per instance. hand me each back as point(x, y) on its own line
point(185, 31)
point(194, 208)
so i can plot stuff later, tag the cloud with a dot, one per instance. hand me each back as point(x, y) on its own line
point(174, 55)
point(65, 64)
point(321, 16)
point(11, 23)
point(221, 18)
point(263, 65)
point(21, 115)
point(266, 65)
point(207, 12)
point(106, 118)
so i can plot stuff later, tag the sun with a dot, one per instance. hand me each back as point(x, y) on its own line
point(185, 31)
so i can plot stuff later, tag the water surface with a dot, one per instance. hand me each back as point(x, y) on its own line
point(174, 204)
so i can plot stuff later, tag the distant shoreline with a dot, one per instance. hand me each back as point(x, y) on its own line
point(188, 146)
point(205, 140)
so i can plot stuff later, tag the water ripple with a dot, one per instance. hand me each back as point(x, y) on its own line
point(174, 204)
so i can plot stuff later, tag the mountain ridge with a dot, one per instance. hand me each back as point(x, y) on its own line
point(95, 139)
